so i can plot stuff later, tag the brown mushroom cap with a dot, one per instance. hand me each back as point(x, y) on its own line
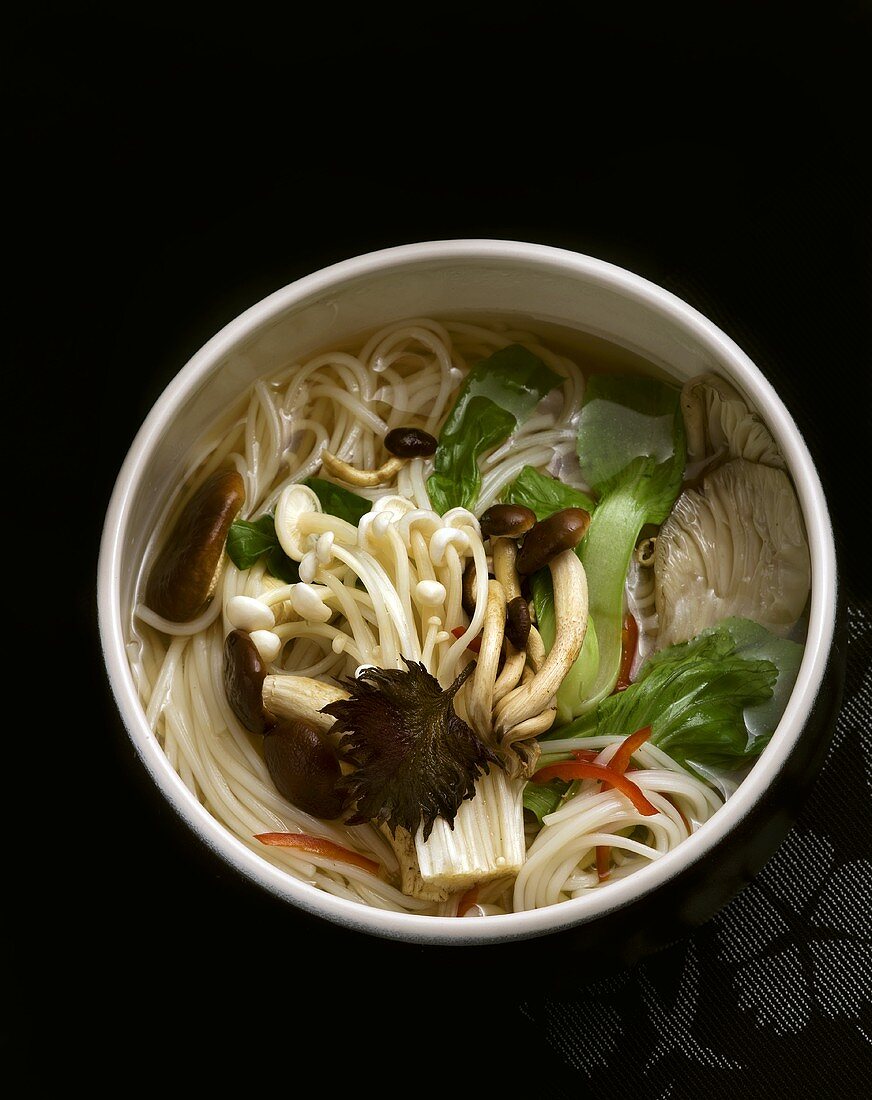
point(186, 570)
point(506, 520)
point(244, 673)
point(518, 622)
point(468, 588)
point(561, 531)
point(410, 443)
point(304, 768)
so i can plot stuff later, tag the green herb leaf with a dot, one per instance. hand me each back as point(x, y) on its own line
point(416, 758)
point(545, 495)
point(631, 450)
point(713, 701)
point(496, 395)
point(337, 501)
point(247, 541)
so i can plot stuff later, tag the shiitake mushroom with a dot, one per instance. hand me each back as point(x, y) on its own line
point(301, 763)
point(186, 570)
point(303, 767)
point(244, 673)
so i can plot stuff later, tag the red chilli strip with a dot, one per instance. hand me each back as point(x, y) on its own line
point(474, 645)
point(467, 901)
point(318, 847)
point(629, 641)
point(619, 763)
point(587, 756)
point(621, 760)
point(577, 769)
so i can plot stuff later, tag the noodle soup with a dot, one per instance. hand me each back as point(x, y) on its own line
point(472, 616)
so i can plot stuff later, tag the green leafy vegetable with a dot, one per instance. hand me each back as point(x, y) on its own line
point(496, 395)
point(631, 451)
point(416, 758)
point(713, 701)
point(754, 642)
point(247, 541)
point(544, 798)
point(337, 501)
point(545, 495)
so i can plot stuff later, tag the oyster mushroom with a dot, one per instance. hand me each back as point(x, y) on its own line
point(185, 572)
point(718, 421)
point(735, 546)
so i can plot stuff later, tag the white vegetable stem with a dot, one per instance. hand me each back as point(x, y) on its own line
point(486, 843)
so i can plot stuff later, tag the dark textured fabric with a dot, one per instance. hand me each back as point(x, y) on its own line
point(773, 997)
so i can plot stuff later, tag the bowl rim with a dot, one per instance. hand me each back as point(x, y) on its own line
point(499, 928)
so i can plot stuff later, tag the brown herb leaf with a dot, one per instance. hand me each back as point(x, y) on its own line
point(415, 758)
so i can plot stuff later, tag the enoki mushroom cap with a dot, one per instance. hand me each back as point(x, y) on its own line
point(294, 502)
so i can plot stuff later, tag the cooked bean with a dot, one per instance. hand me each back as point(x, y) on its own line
point(410, 443)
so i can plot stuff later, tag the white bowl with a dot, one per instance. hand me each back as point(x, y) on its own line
point(443, 279)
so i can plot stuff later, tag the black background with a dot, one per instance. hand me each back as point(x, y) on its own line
point(168, 171)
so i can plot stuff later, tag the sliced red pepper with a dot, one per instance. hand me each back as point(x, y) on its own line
point(621, 760)
point(467, 901)
point(318, 847)
point(619, 763)
point(474, 645)
point(629, 642)
point(578, 769)
point(603, 858)
point(587, 755)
